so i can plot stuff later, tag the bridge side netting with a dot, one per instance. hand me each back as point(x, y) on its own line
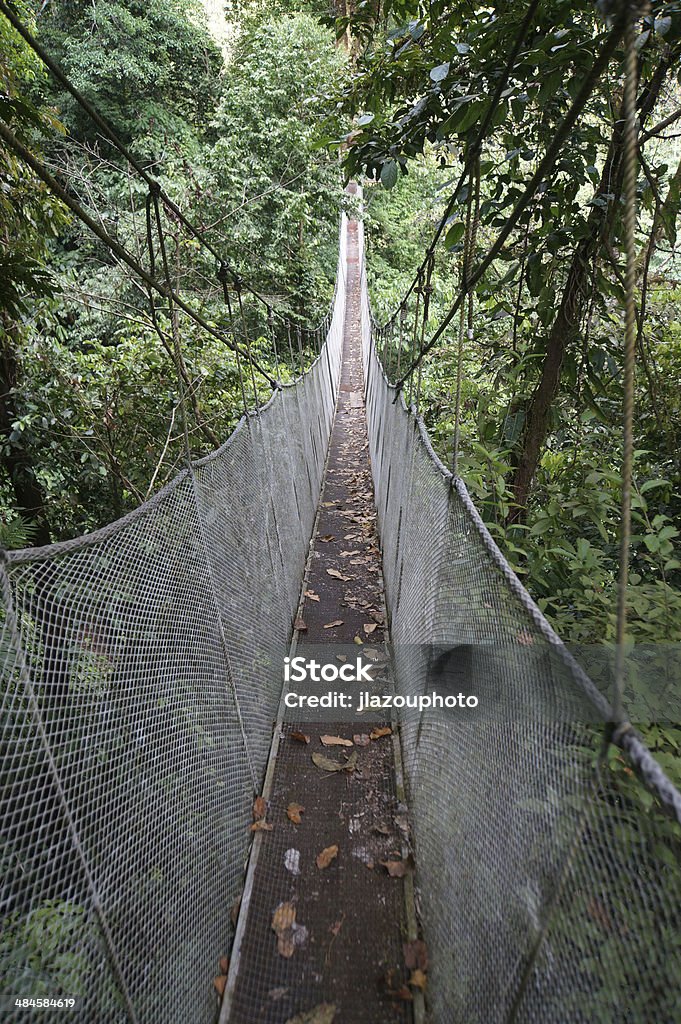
point(549, 892)
point(141, 678)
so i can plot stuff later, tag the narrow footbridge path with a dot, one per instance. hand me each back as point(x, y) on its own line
point(311, 935)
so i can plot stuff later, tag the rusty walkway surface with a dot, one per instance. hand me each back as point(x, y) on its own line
point(316, 941)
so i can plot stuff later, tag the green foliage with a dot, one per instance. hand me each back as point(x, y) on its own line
point(148, 67)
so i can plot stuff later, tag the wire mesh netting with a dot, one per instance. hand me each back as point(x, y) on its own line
point(549, 887)
point(141, 677)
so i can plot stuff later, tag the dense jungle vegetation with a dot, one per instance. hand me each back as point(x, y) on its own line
point(251, 115)
point(245, 130)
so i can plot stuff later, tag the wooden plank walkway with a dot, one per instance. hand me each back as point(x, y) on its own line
point(329, 941)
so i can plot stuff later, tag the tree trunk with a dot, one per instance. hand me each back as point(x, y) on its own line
point(575, 296)
point(17, 463)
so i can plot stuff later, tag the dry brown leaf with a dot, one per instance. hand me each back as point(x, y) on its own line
point(415, 955)
point(382, 730)
point(327, 763)
point(234, 912)
point(294, 812)
point(219, 984)
point(311, 595)
point(328, 854)
point(335, 741)
point(418, 979)
point(341, 657)
point(283, 920)
point(395, 868)
point(324, 1013)
point(327, 538)
point(223, 964)
point(337, 574)
point(300, 737)
point(332, 625)
point(261, 826)
point(383, 830)
point(369, 627)
point(300, 624)
point(259, 808)
point(361, 739)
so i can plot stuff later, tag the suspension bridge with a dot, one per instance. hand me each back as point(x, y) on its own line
point(183, 841)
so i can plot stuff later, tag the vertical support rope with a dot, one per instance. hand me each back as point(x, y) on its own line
point(415, 332)
point(222, 275)
point(630, 180)
point(247, 338)
point(472, 219)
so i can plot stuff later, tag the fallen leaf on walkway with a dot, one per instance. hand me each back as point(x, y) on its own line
point(361, 739)
point(335, 741)
point(328, 854)
point(392, 980)
point(311, 595)
point(259, 808)
point(415, 955)
point(382, 730)
point(277, 993)
point(395, 868)
point(358, 640)
point(289, 934)
point(332, 625)
point(261, 826)
point(351, 762)
point(322, 1014)
point(234, 912)
point(300, 737)
point(383, 830)
point(341, 657)
point(219, 984)
point(300, 624)
point(329, 504)
point(337, 574)
point(377, 616)
point(418, 979)
point(223, 964)
point(327, 763)
point(327, 538)
point(292, 861)
point(369, 627)
point(294, 812)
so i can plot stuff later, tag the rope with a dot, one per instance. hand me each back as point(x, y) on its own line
point(57, 71)
point(115, 247)
point(630, 332)
point(468, 246)
point(476, 146)
point(544, 168)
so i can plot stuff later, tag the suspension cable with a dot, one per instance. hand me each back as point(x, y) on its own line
point(60, 75)
point(543, 169)
point(630, 332)
point(115, 247)
point(476, 145)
